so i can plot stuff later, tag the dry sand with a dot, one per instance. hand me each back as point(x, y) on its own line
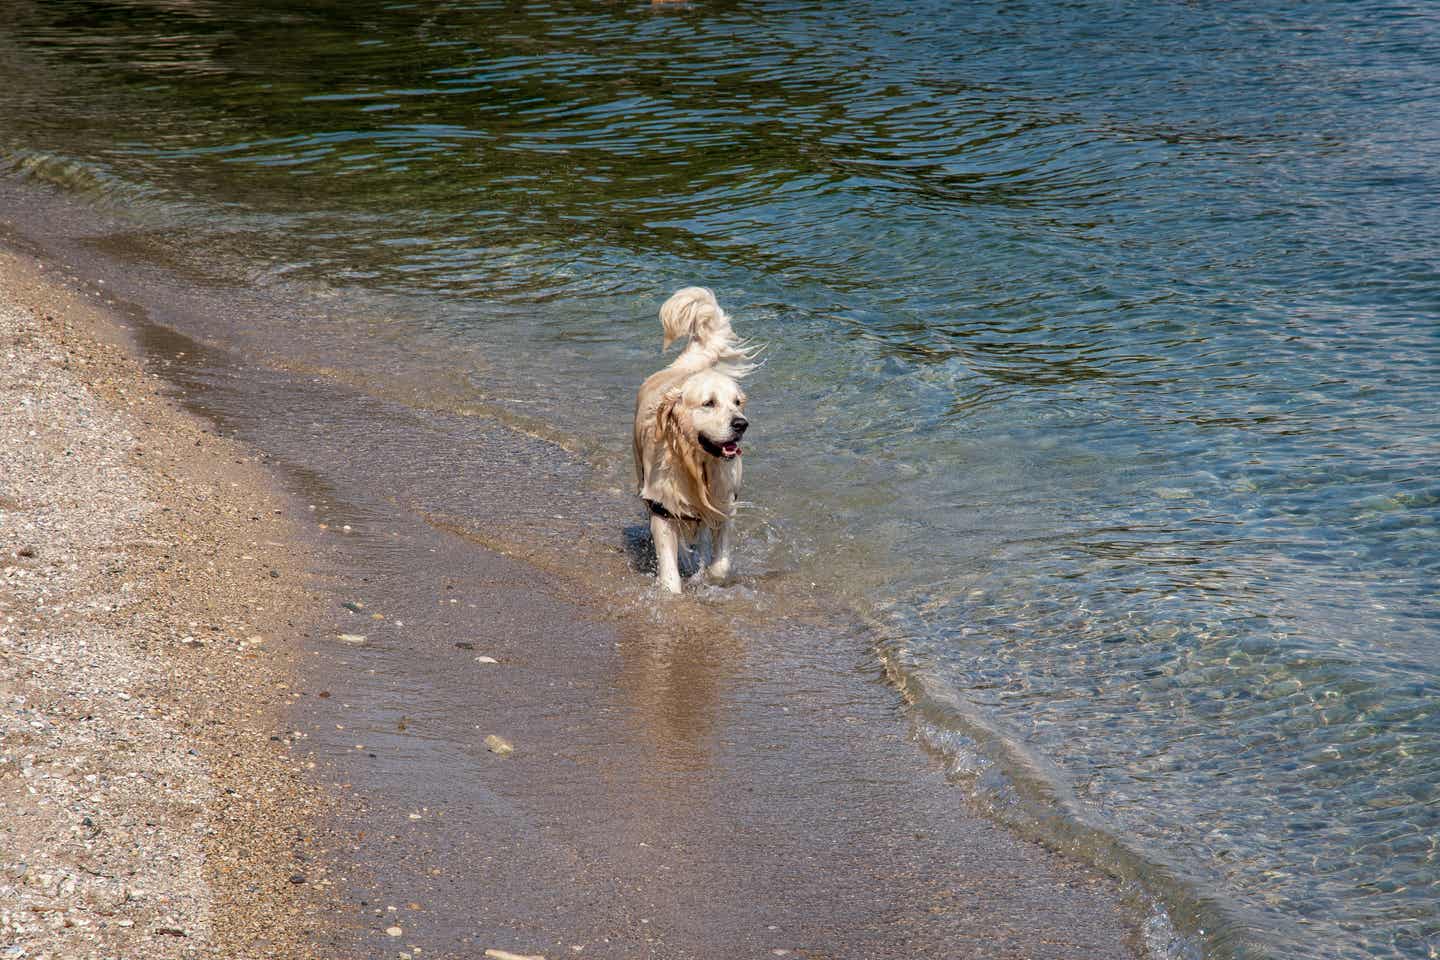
point(149, 600)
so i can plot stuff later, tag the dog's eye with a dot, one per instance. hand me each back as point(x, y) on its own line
point(710, 402)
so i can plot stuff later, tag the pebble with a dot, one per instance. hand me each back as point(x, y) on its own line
point(356, 638)
point(495, 954)
point(394, 931)
point(486, 660)
point(499, 745)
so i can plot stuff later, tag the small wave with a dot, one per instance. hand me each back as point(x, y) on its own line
point(1016, 787)
point(90, 181)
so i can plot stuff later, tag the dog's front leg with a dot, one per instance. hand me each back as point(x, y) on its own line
point(667, 553)
point(722, 539)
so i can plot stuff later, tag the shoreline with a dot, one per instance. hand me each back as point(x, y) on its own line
point(672, 792)
point(148, 598)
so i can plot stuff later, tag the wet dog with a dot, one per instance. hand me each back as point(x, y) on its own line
point(689, 419)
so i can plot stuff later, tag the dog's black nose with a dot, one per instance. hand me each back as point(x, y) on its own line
point(738, 425)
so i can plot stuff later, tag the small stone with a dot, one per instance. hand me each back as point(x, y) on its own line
point(356, 638)
point(394, 931)
point(499, 745)
point(486, 660)
point(26, 551)
point(494, 954)
point(464, 645)
point(298, 878)
point(354, 606)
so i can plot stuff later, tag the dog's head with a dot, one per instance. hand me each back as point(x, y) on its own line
point(701, 422)
point(710, 409)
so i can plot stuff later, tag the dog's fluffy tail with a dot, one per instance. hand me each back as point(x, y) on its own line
point(694, 312)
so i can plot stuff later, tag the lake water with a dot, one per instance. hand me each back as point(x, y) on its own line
point(1104, 352)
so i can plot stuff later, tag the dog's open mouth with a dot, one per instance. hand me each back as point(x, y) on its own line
point(728, 450)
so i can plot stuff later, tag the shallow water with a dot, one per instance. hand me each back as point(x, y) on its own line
point(1103, 353)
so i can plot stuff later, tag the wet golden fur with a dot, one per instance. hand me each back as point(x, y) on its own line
point(673, 470)
point(698, 394)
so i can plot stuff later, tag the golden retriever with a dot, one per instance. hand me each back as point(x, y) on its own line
point(689, 419)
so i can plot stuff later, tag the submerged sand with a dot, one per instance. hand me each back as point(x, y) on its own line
point(148, 597)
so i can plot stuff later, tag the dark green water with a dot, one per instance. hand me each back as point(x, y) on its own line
point(1104, 349)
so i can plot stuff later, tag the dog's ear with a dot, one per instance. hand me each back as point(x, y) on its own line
point(670, 415)
point(672, 422)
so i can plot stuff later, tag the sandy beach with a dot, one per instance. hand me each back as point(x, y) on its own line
point(292, 671)
point(251, 695)
point(149, 598)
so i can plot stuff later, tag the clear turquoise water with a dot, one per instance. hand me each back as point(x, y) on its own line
point(1105, 347)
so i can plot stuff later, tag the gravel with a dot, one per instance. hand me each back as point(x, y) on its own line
point(145, 809)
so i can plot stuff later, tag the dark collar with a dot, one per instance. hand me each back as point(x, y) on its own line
point(659, 510)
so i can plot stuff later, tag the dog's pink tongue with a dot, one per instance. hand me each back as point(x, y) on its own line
point(731, 449)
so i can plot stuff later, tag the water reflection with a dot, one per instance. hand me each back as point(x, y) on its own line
point(672, 677)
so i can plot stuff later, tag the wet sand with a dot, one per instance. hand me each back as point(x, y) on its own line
point(696, 779)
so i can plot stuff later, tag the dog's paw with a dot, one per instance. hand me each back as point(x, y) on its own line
point(719, 571)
